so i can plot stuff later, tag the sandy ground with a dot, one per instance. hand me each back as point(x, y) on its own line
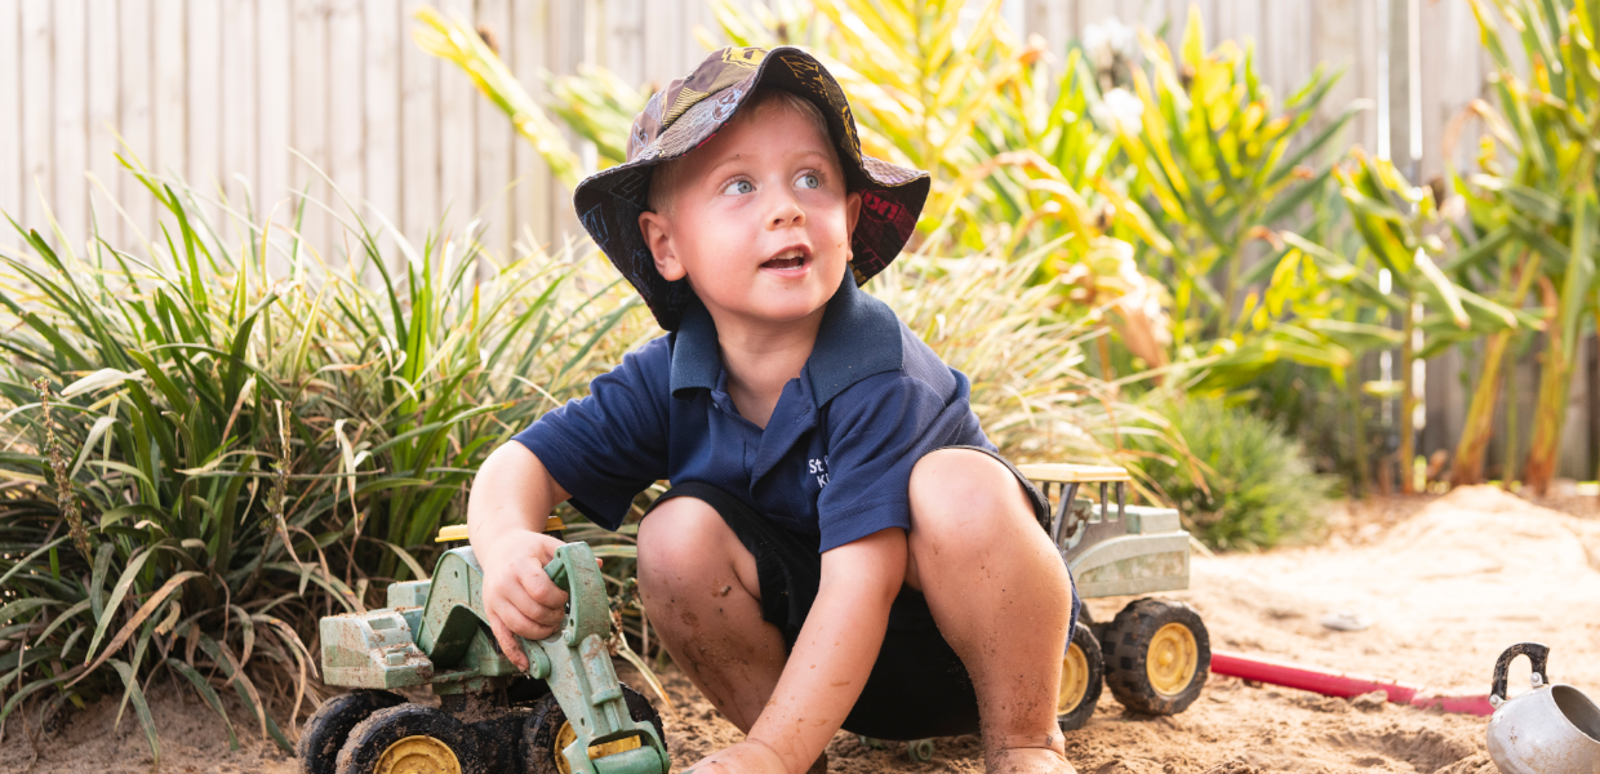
point(1448, 584)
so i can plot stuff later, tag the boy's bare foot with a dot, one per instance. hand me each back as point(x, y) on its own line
point(1026, 760)
point(821, 766)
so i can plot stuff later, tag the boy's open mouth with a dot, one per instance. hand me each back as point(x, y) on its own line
point(790, 258)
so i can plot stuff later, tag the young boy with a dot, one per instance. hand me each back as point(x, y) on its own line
point(841, 546)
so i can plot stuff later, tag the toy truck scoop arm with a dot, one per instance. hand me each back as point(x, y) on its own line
point(575, 662)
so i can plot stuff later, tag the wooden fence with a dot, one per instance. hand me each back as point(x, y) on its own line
point(261, 94)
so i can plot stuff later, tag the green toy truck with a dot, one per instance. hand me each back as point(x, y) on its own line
point(1155, 654)
point(568, 714)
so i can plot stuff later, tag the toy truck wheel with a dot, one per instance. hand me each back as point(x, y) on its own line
point(325, 733)
point(547, 733)
point(1082, 672)
point(413, 739)
point(1157, 655)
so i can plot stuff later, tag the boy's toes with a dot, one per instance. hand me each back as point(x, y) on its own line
point(1027, 760)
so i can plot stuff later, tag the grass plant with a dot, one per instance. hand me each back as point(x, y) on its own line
point(1533, 204)
point(1258, 491)
point(219, 436)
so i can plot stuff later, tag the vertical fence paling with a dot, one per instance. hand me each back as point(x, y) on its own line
point(210, 89)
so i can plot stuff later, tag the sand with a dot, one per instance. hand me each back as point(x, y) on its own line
point(1447, 583)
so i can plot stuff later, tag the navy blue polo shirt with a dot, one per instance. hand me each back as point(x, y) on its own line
point(834, 460)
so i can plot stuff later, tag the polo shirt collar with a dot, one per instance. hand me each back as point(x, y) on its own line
point(696, 363)
point(859, 337)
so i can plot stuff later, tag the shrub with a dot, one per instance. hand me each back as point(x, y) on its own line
point(242, 437)
point(1262, 491)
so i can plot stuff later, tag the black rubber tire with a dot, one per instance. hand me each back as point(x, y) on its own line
point(326, 731)
point(372, 737)
point(539, 734)
point(1097, 628)
point(502, 736)
point(1127, 651)
point(1084, 641)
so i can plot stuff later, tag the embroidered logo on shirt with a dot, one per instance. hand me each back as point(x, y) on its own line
point(819, 468)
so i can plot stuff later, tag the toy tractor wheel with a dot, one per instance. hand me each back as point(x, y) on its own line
point(1157, 655)
point(547, 733)
point(327, 730)
point(413, 739)
point(1082, 671)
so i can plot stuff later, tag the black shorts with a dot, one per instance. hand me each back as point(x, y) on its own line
point(918, 687)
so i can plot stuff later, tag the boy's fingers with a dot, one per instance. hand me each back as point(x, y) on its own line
point(525, 617)
point(522, 615)
point(508, 642)
point(542, 591)
point(527, 627)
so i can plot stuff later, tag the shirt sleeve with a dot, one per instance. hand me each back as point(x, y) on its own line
point(610, 445)
point(877, 431)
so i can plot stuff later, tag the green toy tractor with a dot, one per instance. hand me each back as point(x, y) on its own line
point(568, 714)
point(1155, 654)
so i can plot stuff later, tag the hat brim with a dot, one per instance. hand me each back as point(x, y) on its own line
point(609, 202)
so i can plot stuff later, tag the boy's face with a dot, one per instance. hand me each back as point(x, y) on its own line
point(759, 221)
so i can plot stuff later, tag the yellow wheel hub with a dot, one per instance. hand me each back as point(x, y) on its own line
point(1074, 680)
point(566, 736)
point(418, 755)
point(1172, 659)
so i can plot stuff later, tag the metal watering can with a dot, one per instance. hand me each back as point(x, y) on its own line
point(1552, 729)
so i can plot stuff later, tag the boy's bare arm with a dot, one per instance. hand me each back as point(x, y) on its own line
point(831, 660)
point(512, 496)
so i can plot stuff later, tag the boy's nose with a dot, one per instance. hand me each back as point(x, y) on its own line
point(787, 212)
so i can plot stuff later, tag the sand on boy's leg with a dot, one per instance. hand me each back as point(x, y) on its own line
point(1001, 597)
point(693, 567)
point(702, 583)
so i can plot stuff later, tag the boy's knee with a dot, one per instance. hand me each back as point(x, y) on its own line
point(964, 492)
point(684, 540)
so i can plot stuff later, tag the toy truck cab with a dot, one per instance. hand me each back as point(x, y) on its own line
point(1155, 654)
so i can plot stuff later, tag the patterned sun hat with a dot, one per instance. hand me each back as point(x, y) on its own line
point(687, 113)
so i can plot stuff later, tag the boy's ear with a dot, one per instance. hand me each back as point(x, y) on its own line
point(657, 233)
point(852, 216)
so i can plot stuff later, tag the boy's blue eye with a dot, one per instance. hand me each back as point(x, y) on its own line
point(810, 180)
point(739, 187)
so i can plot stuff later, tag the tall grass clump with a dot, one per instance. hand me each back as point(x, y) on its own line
point(219, 434)
point(1023, 353)
point(1258, 491)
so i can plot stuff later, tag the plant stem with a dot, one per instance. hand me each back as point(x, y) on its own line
point(1408, 398)
point(1549, 413)
point(1359, 450)
point(1479, 429)
point(1513, 431)
point(1473, 447)
point(1230, 293)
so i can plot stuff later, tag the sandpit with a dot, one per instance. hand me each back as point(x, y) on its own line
point(1446, 587)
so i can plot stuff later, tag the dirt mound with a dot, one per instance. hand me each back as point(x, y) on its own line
point(1446, 591)
point(1498, 528)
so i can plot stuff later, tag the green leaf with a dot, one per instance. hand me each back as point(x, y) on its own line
point(210, 696)
point(1442, 286)
point(130, 573)
point(246, 690)
point(146, 720)
point(1580, 270)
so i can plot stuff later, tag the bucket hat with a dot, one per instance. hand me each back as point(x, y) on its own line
point(688, 112)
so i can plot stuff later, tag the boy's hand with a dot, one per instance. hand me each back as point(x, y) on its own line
point(519, 597)
point(747, 757)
